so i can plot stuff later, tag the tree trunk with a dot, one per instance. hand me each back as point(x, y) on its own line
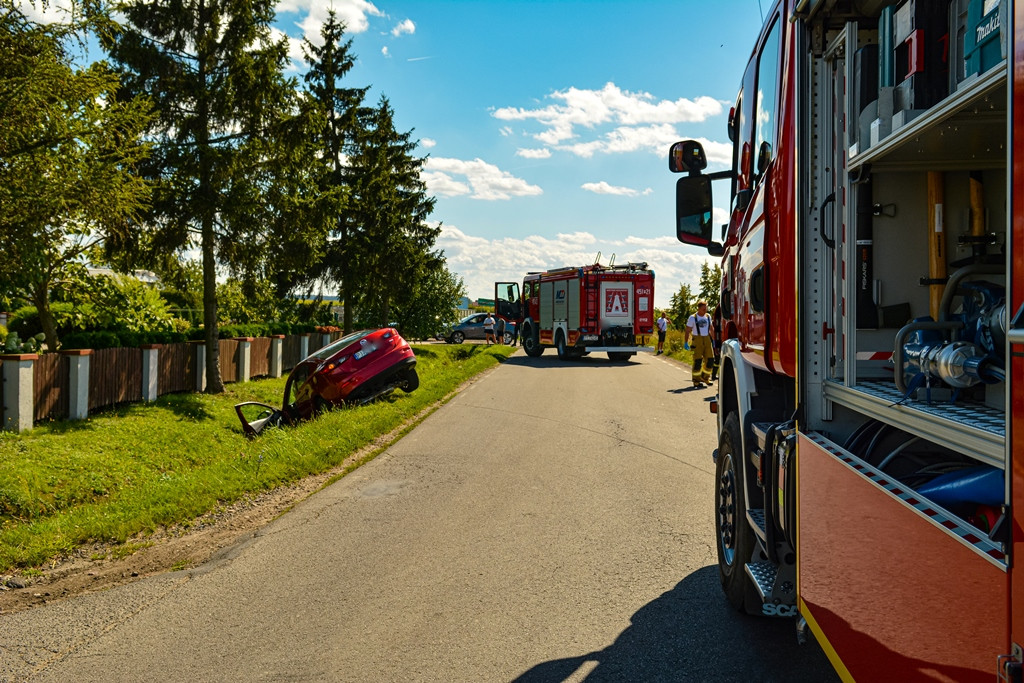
point(214, 383)
point(346, 309)
point(41, 296)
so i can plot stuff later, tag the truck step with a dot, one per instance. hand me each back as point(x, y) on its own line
point(756, 519)
point(763, 575)
point(760, 430)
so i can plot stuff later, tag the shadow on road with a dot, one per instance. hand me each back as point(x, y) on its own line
point(691, 634)
point(550, 360)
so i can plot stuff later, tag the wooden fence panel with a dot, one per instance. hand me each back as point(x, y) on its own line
point(291, 351)
point(115, 376)
point(259, 357)
point(177, 368)
point(50, 382)
point(228, 360)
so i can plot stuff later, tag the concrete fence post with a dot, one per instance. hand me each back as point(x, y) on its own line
point(78, 383)
point(244, 358)
point(200, 367)
point(277, 355)
point(19, 391)
point(303, 345)
point(150, 372)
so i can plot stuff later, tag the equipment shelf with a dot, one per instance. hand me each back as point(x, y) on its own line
point(967, 130)
point(968, 427)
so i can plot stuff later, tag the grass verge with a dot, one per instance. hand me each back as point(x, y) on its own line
point(138, 467)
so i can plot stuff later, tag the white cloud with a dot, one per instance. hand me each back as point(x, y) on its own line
point(610, 105)
point(542, 153)
point(428, 143)
point(604, 188)
point(483, 180)
point(384, 51)
point(481, 261)
point(404, 27)
point(505, 131)
point(354, 14)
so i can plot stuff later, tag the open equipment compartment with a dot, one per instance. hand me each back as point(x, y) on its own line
point(907, 373)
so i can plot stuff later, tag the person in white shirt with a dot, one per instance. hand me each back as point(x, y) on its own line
point(489, 329)
point(700, 327)
point(662, 329)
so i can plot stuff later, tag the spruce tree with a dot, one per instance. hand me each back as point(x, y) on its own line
point(392, 241)
point(329, 63)
point(215, 77)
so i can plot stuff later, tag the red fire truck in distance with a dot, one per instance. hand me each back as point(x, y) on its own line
point(870, 468)
point(579, 310)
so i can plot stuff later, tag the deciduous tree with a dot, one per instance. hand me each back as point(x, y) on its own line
point(68, 154)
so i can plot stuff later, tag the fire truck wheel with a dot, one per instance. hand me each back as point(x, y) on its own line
point(531, 344)
point(563, 352)
point(735, 537)
point(618, 356)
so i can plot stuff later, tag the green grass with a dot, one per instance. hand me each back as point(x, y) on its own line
point(142, 466)
point(674, 341)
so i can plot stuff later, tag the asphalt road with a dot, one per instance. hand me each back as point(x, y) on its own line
point(552, 522)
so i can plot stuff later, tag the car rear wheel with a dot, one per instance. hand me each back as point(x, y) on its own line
point(458, 337)
point(412, 381)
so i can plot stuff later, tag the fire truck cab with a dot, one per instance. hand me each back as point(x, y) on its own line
point(870, 469)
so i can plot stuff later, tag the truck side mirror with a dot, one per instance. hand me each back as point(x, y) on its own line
point(693, 210)
point(687, 157)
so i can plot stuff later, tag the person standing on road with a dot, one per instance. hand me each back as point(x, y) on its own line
point(700, 328)
point(662, 330)
point(489, 329)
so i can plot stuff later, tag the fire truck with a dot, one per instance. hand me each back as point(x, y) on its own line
point(870, 407)
point(579, 310)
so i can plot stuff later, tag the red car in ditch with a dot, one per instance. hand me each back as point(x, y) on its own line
point(357, 368)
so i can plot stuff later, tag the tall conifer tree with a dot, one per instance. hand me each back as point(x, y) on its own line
point(329, 63)
point(389, 208)
point(215, 77)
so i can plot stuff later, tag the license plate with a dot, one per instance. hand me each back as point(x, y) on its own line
point(590, 337)
point(363, 352)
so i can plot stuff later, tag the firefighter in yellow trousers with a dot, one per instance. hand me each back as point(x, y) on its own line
point(699, 326)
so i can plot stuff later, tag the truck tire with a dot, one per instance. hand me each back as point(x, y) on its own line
point(531, 343)
point(563, 352)
point(619, 356)
point(734, 535)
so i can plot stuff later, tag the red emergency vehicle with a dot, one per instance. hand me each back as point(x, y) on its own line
point(870, 469)
point(579, 310)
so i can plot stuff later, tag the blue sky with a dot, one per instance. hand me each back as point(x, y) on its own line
point(547, 124)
